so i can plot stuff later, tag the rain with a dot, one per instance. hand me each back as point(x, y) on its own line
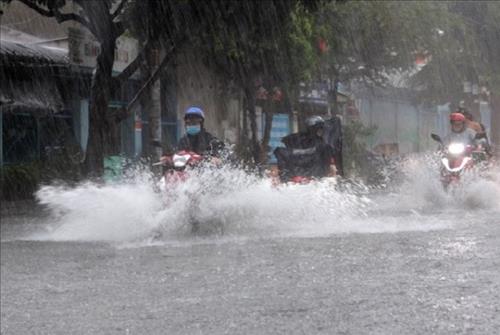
point(249, 167)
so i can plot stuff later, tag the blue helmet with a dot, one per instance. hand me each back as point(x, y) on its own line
point(194, 112)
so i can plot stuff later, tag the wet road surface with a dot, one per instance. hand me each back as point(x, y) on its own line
point(444, 281)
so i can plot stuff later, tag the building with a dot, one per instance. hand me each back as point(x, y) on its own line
point(64, 57)
point(401, 125)
point(47, 70)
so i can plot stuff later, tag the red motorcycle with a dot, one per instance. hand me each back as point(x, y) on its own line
point(178, 169)
point(176, 165)
point(457, 158)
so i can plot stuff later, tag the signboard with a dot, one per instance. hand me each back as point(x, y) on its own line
point(280, 128)
point(314, 93)
point(83, 50)
point(320, 92)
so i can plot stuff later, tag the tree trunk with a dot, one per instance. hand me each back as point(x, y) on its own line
point(244, 138)
point(264, 146)
point(155, 120)
point(102, 131)
point(244, 148)
point(250, 99)
point(152, 107)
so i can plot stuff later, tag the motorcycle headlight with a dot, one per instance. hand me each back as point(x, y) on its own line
point(180, 161)
point(456, 148)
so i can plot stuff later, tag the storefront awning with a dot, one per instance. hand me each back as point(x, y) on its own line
point(28, 83)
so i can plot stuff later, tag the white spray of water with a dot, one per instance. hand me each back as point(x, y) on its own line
point(92, 212)
point(247, 206)
point(422, 190)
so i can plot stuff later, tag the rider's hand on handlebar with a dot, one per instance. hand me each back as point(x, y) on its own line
point(166, 160)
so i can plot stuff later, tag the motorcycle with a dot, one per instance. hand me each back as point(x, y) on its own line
point(178, 168)
point(457, 159)
point(296, 180)
point(176, 165)
point(299, 166)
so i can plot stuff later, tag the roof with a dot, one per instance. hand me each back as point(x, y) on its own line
point(39, 95)
point(29, 55)
point(13, 35)
point(34, 91)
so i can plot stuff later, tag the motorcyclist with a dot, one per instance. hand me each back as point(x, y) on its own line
point(306, 154)
point(478, 128)
point(197, 139)
point(460, 133)
point(460, 144)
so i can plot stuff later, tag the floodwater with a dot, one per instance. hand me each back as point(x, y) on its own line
point(302, 259)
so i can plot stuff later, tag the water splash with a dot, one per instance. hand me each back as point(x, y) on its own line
point(93, 212)
point(421, 189)
point(247, 206)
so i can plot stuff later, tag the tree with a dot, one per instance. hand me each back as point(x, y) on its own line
point(249, 42)
point(262, 45)
point(459, 41)
point(105, 19)
point(247, 39)
point(370, 40)
point(466, 51)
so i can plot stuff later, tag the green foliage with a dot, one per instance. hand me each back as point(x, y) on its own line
point(242, 39)
point(466, 50)
point(370, 39)
point(300, 45)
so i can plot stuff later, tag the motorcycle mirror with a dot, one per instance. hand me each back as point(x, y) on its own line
point(436, 138)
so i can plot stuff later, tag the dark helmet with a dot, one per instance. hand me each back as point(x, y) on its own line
point(315, 122)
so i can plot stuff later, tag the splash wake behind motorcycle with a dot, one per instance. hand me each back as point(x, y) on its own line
point(457, 159)
point(179, 168)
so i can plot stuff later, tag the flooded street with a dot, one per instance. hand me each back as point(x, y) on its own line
point(249, 167)
point(441, 282)
point(395, 267)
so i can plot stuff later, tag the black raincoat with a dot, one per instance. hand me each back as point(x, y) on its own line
point(203, 143)
point(304, 155)
point(311, 156)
